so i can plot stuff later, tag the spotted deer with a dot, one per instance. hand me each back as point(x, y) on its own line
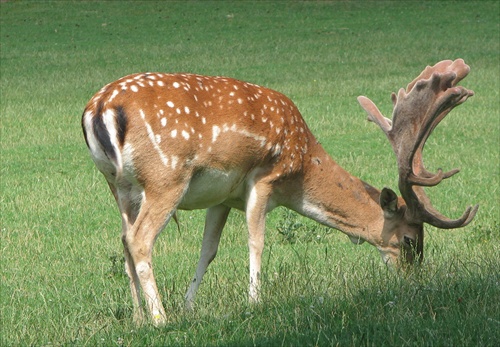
point(168, 142)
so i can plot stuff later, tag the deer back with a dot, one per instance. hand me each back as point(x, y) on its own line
point(152, 126)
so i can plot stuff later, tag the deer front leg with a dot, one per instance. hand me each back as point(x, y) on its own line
point(214, 223)
point(256, 220)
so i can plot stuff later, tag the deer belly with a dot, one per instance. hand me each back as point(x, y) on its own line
point(213, 187)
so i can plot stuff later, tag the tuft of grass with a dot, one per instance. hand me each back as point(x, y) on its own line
point(62, 279)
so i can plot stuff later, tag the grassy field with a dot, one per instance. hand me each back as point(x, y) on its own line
point(62, 278)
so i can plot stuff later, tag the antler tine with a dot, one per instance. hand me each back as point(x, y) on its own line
point(374, 115)
point(418, 109)
point(458, 66)
point(430, 215)
point(424, 177)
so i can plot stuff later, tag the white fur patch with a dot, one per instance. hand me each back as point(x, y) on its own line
point(174, 159)
point(215, 133)
point(154, 140)
point(115, 93)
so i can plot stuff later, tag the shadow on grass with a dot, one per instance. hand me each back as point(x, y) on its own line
point(451, 305)
point(450, 310)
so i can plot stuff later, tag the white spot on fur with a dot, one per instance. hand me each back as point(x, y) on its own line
point(170, 104)
point(134, 88)
point(115, 93)
point(174, 159)
point(215, 133)
point(176, 85)
point(154, 140)
point(185, 134)
point(173, 133)
point(277, 150)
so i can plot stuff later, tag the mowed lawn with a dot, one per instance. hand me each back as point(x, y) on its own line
point(62, 278)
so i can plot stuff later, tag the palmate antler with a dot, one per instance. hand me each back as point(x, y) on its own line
point(417, 111)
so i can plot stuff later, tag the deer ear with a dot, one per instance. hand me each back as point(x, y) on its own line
point(388, 202)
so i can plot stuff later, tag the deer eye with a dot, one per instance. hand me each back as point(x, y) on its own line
point(409, 241)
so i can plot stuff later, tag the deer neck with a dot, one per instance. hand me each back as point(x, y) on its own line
point(333, 197)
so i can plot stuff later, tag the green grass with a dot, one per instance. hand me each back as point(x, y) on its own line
point(62, 281)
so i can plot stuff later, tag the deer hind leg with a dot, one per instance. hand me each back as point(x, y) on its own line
point(129, 203)
point(256, 210)
point(214, 223)
point(155, 212)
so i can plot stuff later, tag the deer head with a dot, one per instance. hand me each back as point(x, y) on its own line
point(417, 111)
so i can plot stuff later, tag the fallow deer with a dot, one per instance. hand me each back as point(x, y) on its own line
point(168, 142)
